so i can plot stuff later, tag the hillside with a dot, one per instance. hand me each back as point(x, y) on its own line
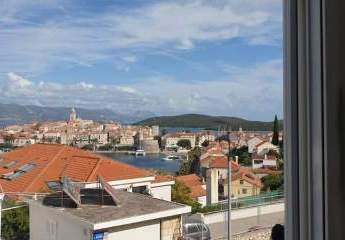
point(205, 121)
point(18, 114)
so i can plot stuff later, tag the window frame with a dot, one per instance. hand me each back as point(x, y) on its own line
point(314, 98)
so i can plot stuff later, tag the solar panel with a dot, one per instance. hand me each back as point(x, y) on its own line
point(71, 189)
point(109, 189)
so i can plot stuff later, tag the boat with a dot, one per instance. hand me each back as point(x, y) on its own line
point(171, 158)
point(140, 152)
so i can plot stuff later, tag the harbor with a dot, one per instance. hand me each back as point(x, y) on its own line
point(149, 161)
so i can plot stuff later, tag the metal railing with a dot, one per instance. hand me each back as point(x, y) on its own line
point(246, 202)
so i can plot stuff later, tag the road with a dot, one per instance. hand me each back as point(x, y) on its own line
point(219, 230)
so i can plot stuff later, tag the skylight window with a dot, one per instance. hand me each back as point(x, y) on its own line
point(54, 185)
point(14, 175)
point(26, 167)
point(18, 172)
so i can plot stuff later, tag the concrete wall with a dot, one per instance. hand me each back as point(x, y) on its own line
point(49, 224)
point(212, 186)
point(145, 230)
point(170, 228)
point(150, 146)
point(202, 201)
point(162, 192)
point(216, 217)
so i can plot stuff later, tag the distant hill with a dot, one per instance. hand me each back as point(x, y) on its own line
point(209, 122)
point(18, 114)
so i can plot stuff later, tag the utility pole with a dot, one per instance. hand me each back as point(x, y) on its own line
point(229, 186)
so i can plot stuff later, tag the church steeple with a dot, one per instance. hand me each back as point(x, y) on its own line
point(73, 115)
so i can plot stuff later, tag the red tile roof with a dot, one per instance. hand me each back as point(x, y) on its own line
point(163, 178)
point(194, 183)
point(248, 177)
point(222, 162)
point(53, 161)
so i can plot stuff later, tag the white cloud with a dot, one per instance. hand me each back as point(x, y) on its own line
point(85, 39)
point(250, 92)
point(86, 85)
point(127, 89)
point(185, 44)
point(17, 81)
point(130, 59)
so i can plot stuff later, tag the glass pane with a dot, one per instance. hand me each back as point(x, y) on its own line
point(177, 105)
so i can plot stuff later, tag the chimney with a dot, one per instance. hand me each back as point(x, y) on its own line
point(236, 159)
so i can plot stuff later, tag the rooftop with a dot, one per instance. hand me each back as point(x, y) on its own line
point(49, 162)
point(194, 182)
point(131, 208)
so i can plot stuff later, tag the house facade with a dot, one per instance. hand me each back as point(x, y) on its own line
point(265, 147)
point(170, 140)
point(253, 142)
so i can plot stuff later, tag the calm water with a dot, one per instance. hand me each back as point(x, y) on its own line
point(154, 161)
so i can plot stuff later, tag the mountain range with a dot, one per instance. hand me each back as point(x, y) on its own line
point(19, 114)
point(208, 122)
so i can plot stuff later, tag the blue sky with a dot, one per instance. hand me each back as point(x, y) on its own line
point(221, 57)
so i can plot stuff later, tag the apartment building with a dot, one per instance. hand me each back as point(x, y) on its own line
point(104, 215)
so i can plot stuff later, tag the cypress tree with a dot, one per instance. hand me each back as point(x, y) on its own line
point(275, 137)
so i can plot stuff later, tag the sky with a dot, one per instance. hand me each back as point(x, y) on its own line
point(219, 57)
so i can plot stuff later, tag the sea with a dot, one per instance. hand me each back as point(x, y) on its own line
point(150, 161)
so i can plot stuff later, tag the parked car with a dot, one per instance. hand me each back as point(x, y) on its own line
point(196, 231)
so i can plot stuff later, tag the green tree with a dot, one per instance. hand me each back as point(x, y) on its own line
point(88, 147)
point(205, 143)
point(9, 139)
point(273, 182)
point(181, 193)
point(244, 157)
point(164, 132)
point(184, 143)
point(275, 137)
point(106, 147)
point(15, 222)
point(192, 164)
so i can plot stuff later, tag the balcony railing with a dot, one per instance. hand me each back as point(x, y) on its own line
point(246, 202)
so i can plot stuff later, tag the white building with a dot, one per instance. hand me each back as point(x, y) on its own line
point(155, 130)
point(127, 216)
point(265, 147)
point(171, 140)
point(264, 161)
point(206, 136)
point(252, 142)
